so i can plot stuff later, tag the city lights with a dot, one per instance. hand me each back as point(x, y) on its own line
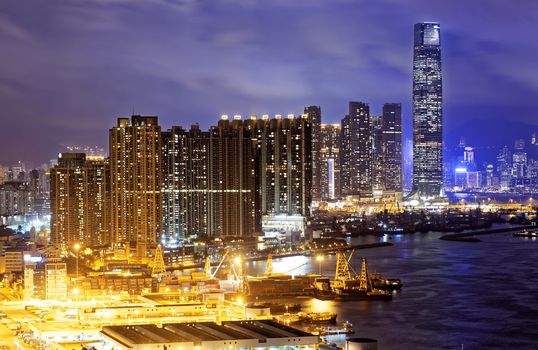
point(181, 175)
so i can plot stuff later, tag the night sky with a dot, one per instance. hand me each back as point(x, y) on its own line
point(69, 68)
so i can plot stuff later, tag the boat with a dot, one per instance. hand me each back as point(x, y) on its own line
point(525, 233)
point(329, 330)
point(346, 287)
point(278, 308)
point(318, 317)
point(289, 318)
point(358, 294)
point(382, 283)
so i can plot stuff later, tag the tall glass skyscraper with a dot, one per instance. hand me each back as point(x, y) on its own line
point(427, 111)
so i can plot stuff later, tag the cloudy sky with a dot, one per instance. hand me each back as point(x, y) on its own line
point(68, 68)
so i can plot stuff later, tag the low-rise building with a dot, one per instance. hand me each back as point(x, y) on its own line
point(261, 334)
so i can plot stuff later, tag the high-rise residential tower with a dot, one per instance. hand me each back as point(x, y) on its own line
point(314, 116)
point(286, 166)
point(427, 111)
point(376, 132)
point(136, 181)
point(185, 183)
point(331, 136)
point(221, 182)
point(79, 201)
point(391, 138)
point(233, 179)
point(357, 150)
point(69, 201)
point(98, 174)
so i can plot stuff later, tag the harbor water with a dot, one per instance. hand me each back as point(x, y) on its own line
point(456, 294)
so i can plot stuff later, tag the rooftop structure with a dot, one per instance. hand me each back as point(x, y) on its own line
point(208, 335)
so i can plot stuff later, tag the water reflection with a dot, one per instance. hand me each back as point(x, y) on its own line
point(482, 295)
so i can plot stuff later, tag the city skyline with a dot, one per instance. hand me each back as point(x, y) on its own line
point(55, 93)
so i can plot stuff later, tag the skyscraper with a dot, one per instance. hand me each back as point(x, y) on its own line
point(357, 150)
point(519, 160)
point(504, 168)
point(185, 183)
point(314, 116)
point(392, 146)
point(376, 131)
point(221, 182)
point(136, 179)
point(331, 136)
point(79, 201)
point(98, 174)
point(69, 201)
point(427, 111)
point(286, 166)
point(233, 179)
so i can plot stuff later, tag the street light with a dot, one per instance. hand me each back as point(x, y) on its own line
point(77, 248)
point(319, 258)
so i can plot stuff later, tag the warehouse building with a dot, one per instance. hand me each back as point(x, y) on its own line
point(261, 334)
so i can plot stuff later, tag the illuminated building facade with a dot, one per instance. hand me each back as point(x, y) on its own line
point(56, 281)
point(80, 206)
point(233, 176)
point(376, 130)
point(356, 150)
point(15, 198)
point(98, 206)
point(221, 182)
point(69, 201)
point(331, 139)
point(519, 160)
point(136, 179)
point(504, 168)
point(427, 111)
point(185, 183)
point(391, 149)
point(286, 166)
point(314, 116)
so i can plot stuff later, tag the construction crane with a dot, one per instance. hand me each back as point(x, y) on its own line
point(269, 265)
point(159, 268)
point(344, 269)
point(220, 263)
point(296, 267)
point(207, 267)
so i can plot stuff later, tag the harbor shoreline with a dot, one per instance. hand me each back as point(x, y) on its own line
point(469, 236)
point(310, 252)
